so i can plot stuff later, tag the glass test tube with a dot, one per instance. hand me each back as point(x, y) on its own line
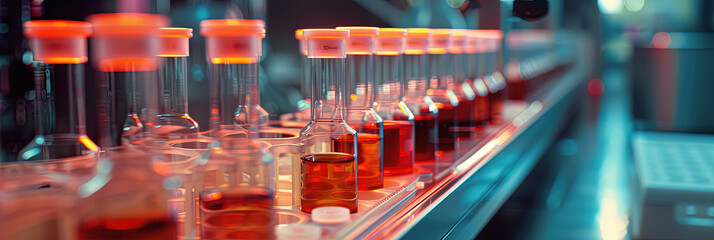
point(415, 97)
point(474, 79)
point(302, 112)
point(438, 89)
point(398, 136)
point(237, 183)
point(359, 113)
point(328, 169)
point(128, 197)
point(60, 51)
point(465, 125)
point(494, 80)
point(173, 121)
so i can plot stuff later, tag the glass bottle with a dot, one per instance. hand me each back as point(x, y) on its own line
point(438, 90)
point(128, 197)
point(328, 169)
point(474, 78)
point(302, 113)
point(359, 114)
point(415, 97)
point(493, 78)
point(456, 62)
point(398, 138)
point(173, 121)
point(60, 51)
point(236, 185)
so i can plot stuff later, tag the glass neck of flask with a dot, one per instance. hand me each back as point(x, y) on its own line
point(127, 96)
point(59, 98)
point(236, 100)
point(360, 81)
point(438, 71)
point(328, 79)
point(415, 72)
point(173, 86)
point(388, 77)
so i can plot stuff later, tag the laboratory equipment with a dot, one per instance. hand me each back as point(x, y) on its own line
point(455, 77)
point(328, 167)
point(174, 121)
point(493, 78)
point(438, 90)
point(474, 50)
point(128, 197)
point(60, 51)
point(415, 97)
point(398, 137)
point(236, 185)
point(359, 85)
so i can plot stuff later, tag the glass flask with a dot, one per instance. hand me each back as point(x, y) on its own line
point(438, 89)
point(359, 114)
point(456, 61)
point(128, 197)
point(60, 51)
point(173, 121)
point(236, 183)
point(398, 138)
point(328, 167)
point(415, 97)
point(474, 78)
point(493, 78)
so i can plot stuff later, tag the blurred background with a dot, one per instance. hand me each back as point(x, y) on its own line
point(649, 70)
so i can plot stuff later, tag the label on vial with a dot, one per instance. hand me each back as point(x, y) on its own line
point(390, 46)
point(326, 48)
point(360, 45)
point(233, 49)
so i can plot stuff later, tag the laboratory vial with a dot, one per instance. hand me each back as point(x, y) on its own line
point(438, 89)
point(173, 120)
point(359, 113)
point(398, 137)
point(328, 167)
point(128, 196)
point(493, 78)
point(474, 52)
point(236, 188)
point(302, 110)
point(60, 51)
point(415, 98)
point(456, 76)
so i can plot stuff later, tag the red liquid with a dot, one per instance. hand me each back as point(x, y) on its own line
point(369, 158)
point(464, 118)
point(425, 137)
point(446, 120)
point(237, 213)
point(328, 179)
point(156, 225)
point(481, 112)
point(398, 145)
point(496, 114)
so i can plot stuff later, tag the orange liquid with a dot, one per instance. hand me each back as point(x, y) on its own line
point(238, 213)
point(464, 119)
point(496, 116)
point(425, 137)
point(328, 179)
point(446, 119)
point(398, 147)
point(370, 174)
point(481, 112)
point(158, 225)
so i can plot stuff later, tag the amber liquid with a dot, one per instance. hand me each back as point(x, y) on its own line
point(496, 116)
point(237, 213)
point(425, 137)
point(464, 119)
point(398, 144)
point(148, 226)
point(481, 112)
point(447, 120)
point(370, 174)
point(328, 179)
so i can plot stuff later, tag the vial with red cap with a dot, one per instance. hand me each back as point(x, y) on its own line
point(474, 51)
point(329, 144)
point(128, 196)
point(415, 97)
point(456, 76)
point(173, 121)
point(359, 114)
point(438, 89)
point(493, 78)
point(60, 51)
point(398, 130)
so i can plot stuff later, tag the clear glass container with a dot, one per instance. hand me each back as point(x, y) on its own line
point(456, 75)
point(60, 52)
point(438, 89)
point(128, 197)
point(415, 97)
point(398, 138)
point(474, 78)
point(236, 184)
point(328, 166)
point(359, 114)
point(174, 121)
